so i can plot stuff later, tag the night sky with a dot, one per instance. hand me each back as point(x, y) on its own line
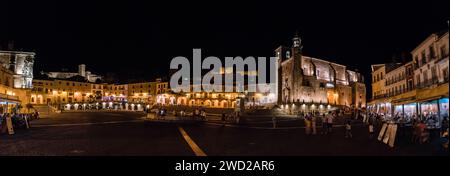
point(138, 40)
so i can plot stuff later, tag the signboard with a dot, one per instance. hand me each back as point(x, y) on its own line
point(9, 125)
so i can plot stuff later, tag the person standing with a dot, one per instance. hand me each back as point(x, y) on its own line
point(324, 124)
point(307, 124)
point(313, 124)
point(330, 122)
point(348, 129)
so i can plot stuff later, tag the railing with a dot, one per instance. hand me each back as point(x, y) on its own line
point(395, 80)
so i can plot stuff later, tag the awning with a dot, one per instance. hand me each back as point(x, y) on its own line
point(428, 94)
point(404, 101)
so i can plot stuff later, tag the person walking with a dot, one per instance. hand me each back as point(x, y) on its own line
point(307, 124)
point(348, 129)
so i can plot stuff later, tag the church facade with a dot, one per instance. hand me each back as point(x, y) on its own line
point(21, 64)
point(305, 80)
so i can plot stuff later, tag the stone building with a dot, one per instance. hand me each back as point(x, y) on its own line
point(308, 80)
point(21, 64)
point(81, 72)
point(418, 88)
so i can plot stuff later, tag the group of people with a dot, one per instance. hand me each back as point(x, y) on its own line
point(327, 124)
point(422, 128)
point(199, 113)
point(311, 121)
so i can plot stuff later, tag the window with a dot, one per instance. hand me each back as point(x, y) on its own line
point(322, 85)
point(433, 73)
point(431, 51)
point(410, 84)
point(425, 77)
point(424, 58)
point(445, 73)
point(416, 61)
point(67, 84)
point(73, 84)
point(443, 52)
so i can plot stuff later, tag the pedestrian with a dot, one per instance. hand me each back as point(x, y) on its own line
point(223, 117)
point(330, 122)
point(348, 129)
point(308, 124)
point(313, 125)
point(444, 125)
point(324, 125)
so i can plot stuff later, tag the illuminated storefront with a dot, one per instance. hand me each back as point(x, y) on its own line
point(410, 110)
point(443, 107)
point(429, 108)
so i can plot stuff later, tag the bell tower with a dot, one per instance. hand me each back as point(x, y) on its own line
point(297, 71)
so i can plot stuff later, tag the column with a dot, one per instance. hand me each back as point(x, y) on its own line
point(439, 112)
point(403, 110)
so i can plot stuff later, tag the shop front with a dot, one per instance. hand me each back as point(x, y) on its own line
point(443, 107)
point(410, 110)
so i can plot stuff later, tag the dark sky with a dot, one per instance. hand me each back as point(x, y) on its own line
point(140, 39)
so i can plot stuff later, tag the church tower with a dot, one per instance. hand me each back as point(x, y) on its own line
point(297, 71)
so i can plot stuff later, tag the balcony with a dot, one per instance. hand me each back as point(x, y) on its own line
point(379, 96)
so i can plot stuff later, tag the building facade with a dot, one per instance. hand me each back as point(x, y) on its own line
point(16, 75)
point(21, 65)
point(81, 72)
point(75, 95)
point(416, 89)
point(314, 82)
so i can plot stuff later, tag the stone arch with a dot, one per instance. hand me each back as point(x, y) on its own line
point(207, 103)
point(224, 104)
